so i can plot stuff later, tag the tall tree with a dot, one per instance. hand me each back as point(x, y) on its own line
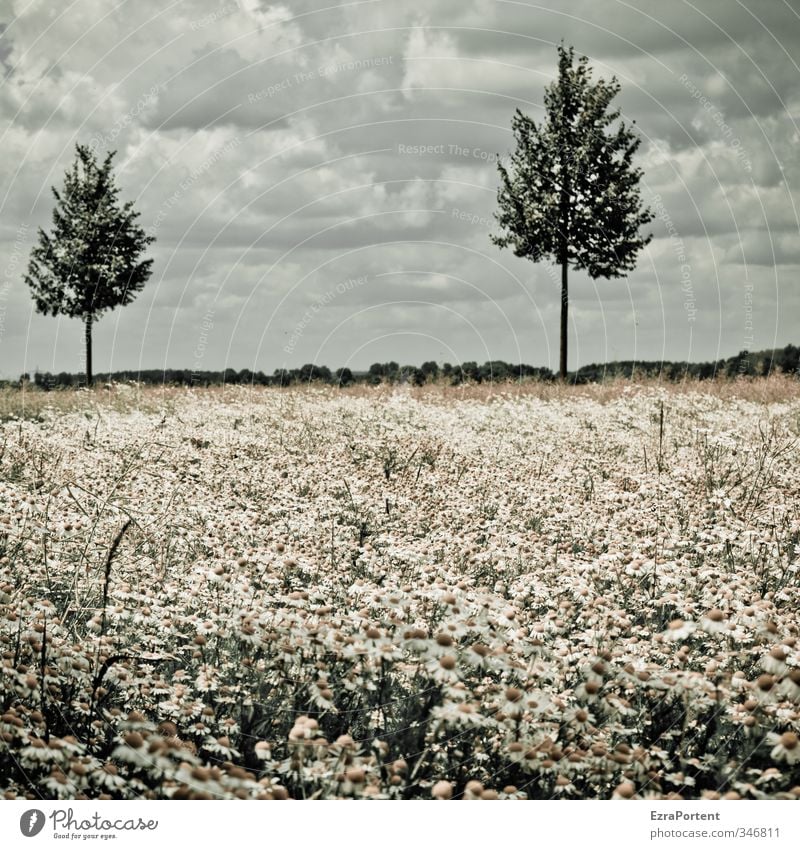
point(90, 262)
point(571, 192)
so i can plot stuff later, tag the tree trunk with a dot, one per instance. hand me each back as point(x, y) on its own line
point(87, 327)
point(564, 307)
point(564, 215)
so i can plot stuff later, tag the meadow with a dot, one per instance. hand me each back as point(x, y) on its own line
point(507, 592)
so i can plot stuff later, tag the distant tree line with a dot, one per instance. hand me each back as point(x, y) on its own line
point(391, 372)
point(746, 363)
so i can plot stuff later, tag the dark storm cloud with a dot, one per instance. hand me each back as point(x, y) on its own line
point(278, 150)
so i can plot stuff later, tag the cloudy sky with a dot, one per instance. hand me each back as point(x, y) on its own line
point(320, 177)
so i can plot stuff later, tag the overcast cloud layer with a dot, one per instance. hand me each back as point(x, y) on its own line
point(320, 177)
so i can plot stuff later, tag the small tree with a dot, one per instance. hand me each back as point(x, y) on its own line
point(89, 263)
point(430, 369)
point(571, 193)
point(344, 376)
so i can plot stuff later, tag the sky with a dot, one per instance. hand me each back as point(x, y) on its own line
point(321, 179)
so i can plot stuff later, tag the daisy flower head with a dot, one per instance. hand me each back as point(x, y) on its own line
point(58, 784)
point(344, 743)
point(538, 702)
point(786, 747)
point(625, 790)
point(221, 746)
point(513, 704)
point(442, 644)
point(511, 791)
point(444, 670)
point(713, 622)
point(353, 780)
point(564, 787)
point(479, 656)
point(303, 730)
point(765, 689)
point(790, 685)
point(598, 669)
point(775, 660)
point(473, 790)
point(108, 778)
point(459, 713)
point(373, 637)
point(442, 790)
point(580, 718)
point(588, 691)
point(132, 750)
point(38, 752)
point(416, 639)
point(679, 629)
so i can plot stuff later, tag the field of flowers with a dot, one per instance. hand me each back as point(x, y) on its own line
point(447, 594)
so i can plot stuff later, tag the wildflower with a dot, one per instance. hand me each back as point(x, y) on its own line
point(479, 656)
point(444, 669)
point(442, 644)
point(513, 704)
point(678, 629)
point(416, 639)
point(58, 785)
point(512, 792)
point(442, 790)
point(473, 790)
point(248, 633)
point(625, 790)
point(588, 691)
point(459, 714)
point(564, 787)
point(167, 729)
point(581, 718)
point(790, 685)
point(775, 660)
point(617, 706)
point(132, 750)
point(769, 776)
point(136, 721)
point(597, 670)
point(220, 746)
point(39, 752)
point(108, 778)
point(786, 747)
point(765, 687)
point(353, 777)
point(538, 702)
point(344, 742)
point(303, 730)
